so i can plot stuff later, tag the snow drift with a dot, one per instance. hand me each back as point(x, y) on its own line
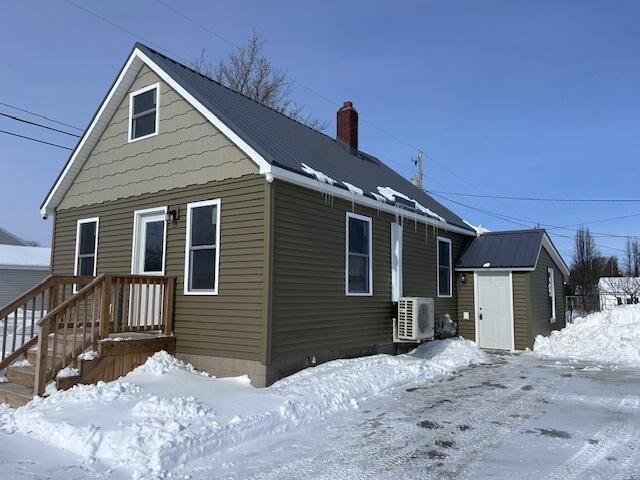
point(165, 413)
point(609, 337)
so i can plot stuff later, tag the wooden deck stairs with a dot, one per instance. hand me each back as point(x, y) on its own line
point(70, 330)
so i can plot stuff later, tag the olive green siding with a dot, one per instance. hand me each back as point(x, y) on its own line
point(187, 150)
point(521, 309)
point(540, 300)
point(420, 266)
point(466, 303)
point(312, 315)
point(230, 324)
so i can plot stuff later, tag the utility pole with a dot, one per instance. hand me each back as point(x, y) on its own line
point(418, 180)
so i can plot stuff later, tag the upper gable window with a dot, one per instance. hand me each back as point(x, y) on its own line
point(143, 112)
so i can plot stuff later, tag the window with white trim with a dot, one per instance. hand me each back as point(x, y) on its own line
point(202, 254)
point(445, 268)
point(86, 247)
point(551, 286)
point(359, 265)
point(143, 112)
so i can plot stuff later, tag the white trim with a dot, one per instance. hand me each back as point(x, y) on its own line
point(308, 182)
point(513, 314)
point(476, 277)
point(95, 247)
point(134, 244)
point(552, 290)
point(187, 244)
point(82, 221)
point(396, 262)
point(497, 269)
point(346, 255)
point(557, 258)
point(136, 93)
point(446, 240)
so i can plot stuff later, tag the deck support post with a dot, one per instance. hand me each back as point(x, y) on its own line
point(41, 359)
point(105, 297)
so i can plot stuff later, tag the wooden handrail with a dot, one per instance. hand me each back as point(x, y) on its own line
point(25, 297)
point(79, 295)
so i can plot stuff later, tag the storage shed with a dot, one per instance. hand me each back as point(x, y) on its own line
point(510, 289)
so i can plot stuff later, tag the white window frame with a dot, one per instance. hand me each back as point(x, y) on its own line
point(136, 93)
point(396, 262)
point(446, 240)
point(95, 247)
point(369, 221)
point(187, 247)
point(551, 286)
point(134, 244)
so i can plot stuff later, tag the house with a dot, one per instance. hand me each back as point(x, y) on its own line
point(519, 272)
point(263, 245)
point(21, 266)
point(614, 291)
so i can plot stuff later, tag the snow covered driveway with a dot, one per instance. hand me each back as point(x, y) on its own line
point(518, 417)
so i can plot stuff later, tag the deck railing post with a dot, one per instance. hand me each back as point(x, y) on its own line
point(168, 311)
point(41, 361)
point(105, 297)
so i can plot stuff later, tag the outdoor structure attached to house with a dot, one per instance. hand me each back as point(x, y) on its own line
point(21, 266)
point(511, 288)
point(285, 246)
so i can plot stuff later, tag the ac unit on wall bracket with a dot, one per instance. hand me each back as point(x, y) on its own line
point(415, 321)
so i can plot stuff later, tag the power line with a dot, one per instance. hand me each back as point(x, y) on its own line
point(119, 27)
point(540, 199)
point(18, 119)
point(35, 140)
point(520, 222)
point(41, 116)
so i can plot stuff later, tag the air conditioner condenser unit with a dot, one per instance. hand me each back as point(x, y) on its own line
point(415, 320)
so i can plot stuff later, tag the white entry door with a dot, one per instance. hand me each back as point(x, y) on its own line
point(148, 257)
point(495, 312)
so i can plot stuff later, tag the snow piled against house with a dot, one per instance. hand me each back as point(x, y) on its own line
point(607, 337)
point(165, 413)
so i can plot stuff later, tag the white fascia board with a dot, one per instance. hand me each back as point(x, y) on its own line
point(555, 255)
point(502, 269)
point(116, 95)
point(311, 183)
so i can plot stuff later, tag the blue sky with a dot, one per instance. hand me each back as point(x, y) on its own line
point(536, 98)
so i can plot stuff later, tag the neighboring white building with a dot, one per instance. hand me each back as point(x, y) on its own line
point(616, 291)
point(21, 267)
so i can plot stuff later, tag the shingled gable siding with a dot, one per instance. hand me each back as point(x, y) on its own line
point(311, 314)
point(188, 150)
point(540, 305)
point(231, 324)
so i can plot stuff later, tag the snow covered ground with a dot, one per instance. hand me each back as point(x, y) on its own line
point(164, 414)
point(608, 337)
point(518, 416)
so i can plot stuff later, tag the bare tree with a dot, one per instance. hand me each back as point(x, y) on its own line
point(586, 269)
point(249, 72)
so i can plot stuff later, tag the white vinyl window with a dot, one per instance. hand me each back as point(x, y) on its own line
point(143, 112)
point(86, 247)
point(359, 262)
point(202, 251)
point(445, 268)
point(551, 286)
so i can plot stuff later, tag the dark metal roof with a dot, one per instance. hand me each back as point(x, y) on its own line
point(512, 249)
point(286, 143)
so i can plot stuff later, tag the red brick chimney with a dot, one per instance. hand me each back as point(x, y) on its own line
point(348, 125)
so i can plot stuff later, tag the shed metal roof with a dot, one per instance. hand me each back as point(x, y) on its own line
point(510, 249)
